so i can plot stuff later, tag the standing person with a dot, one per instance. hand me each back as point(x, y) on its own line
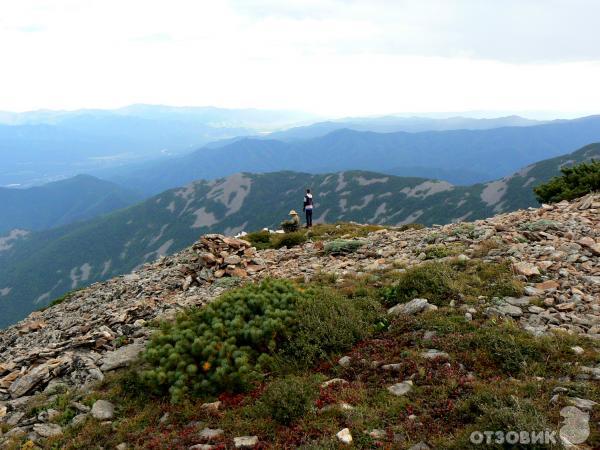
point(308, 208)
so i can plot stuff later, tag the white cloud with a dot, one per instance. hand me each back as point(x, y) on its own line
point(327, 56)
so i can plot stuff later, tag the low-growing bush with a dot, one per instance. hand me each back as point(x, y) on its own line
point(259, 239)
point(342, 246)
point(288, 240)
point(341, 230)
point(575, 181)
point(442, 251)
point(499, 410)
point(440, 282)
point(234, 340)
point(288, 399)
point(432, 281)
point(223, 346)
point(329, 323)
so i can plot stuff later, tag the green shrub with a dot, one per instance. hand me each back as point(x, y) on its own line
point(288, 240)
point(288, 399)
point(329, 323)
point(431, 281)
point(290, 227)
point(442, 251)
point(440, 282)
point(223, 346)
point(342, 246)
point(510, 348)
point(259, 239)
point(575, 181)
point(231, 342)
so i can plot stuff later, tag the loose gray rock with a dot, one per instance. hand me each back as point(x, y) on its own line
point(345, 361)
point(582, 403)
point(415, 306)
point(434, 354)
point(245, 441)
point(344, 436)
point(103, 410)
point(400, 389)
point(121, 357)
point(210, 434)
point(420, 446)
point(47, 430)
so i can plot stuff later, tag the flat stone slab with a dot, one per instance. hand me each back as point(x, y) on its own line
point(47, 430)
point(121, 357)
point(433, 354)
point(245, 441)
point(211, 433)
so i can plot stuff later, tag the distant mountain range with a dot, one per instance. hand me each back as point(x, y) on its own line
point(457, 156)
point(60, 203)
point(40, 146)
point(43, 265)
point(392, 124)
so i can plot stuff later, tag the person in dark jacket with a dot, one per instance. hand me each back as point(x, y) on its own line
point(308, 208)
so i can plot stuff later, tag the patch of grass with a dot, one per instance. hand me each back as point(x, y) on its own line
point(63, 298)
point(259, 239)
point(499, 408)
point(499, 347)
point(341, 230)
point(484, 248)
point(342, 246)
point(321, 232)
point(288, 240)
point(442, 251)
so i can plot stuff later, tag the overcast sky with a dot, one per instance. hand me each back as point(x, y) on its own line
point(331, 57)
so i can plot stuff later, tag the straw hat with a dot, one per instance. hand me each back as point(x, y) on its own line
point(293, 213)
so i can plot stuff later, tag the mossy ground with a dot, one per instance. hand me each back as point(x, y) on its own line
point(497, 377)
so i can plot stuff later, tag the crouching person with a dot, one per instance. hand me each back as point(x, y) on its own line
point(289, 226)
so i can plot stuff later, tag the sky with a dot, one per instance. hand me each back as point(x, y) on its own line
point(328, 57)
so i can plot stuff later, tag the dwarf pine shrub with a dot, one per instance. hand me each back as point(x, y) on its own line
point(575, 181)
point(223, 346)
point(231, 342)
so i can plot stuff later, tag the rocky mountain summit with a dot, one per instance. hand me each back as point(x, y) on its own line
point(554, 250)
